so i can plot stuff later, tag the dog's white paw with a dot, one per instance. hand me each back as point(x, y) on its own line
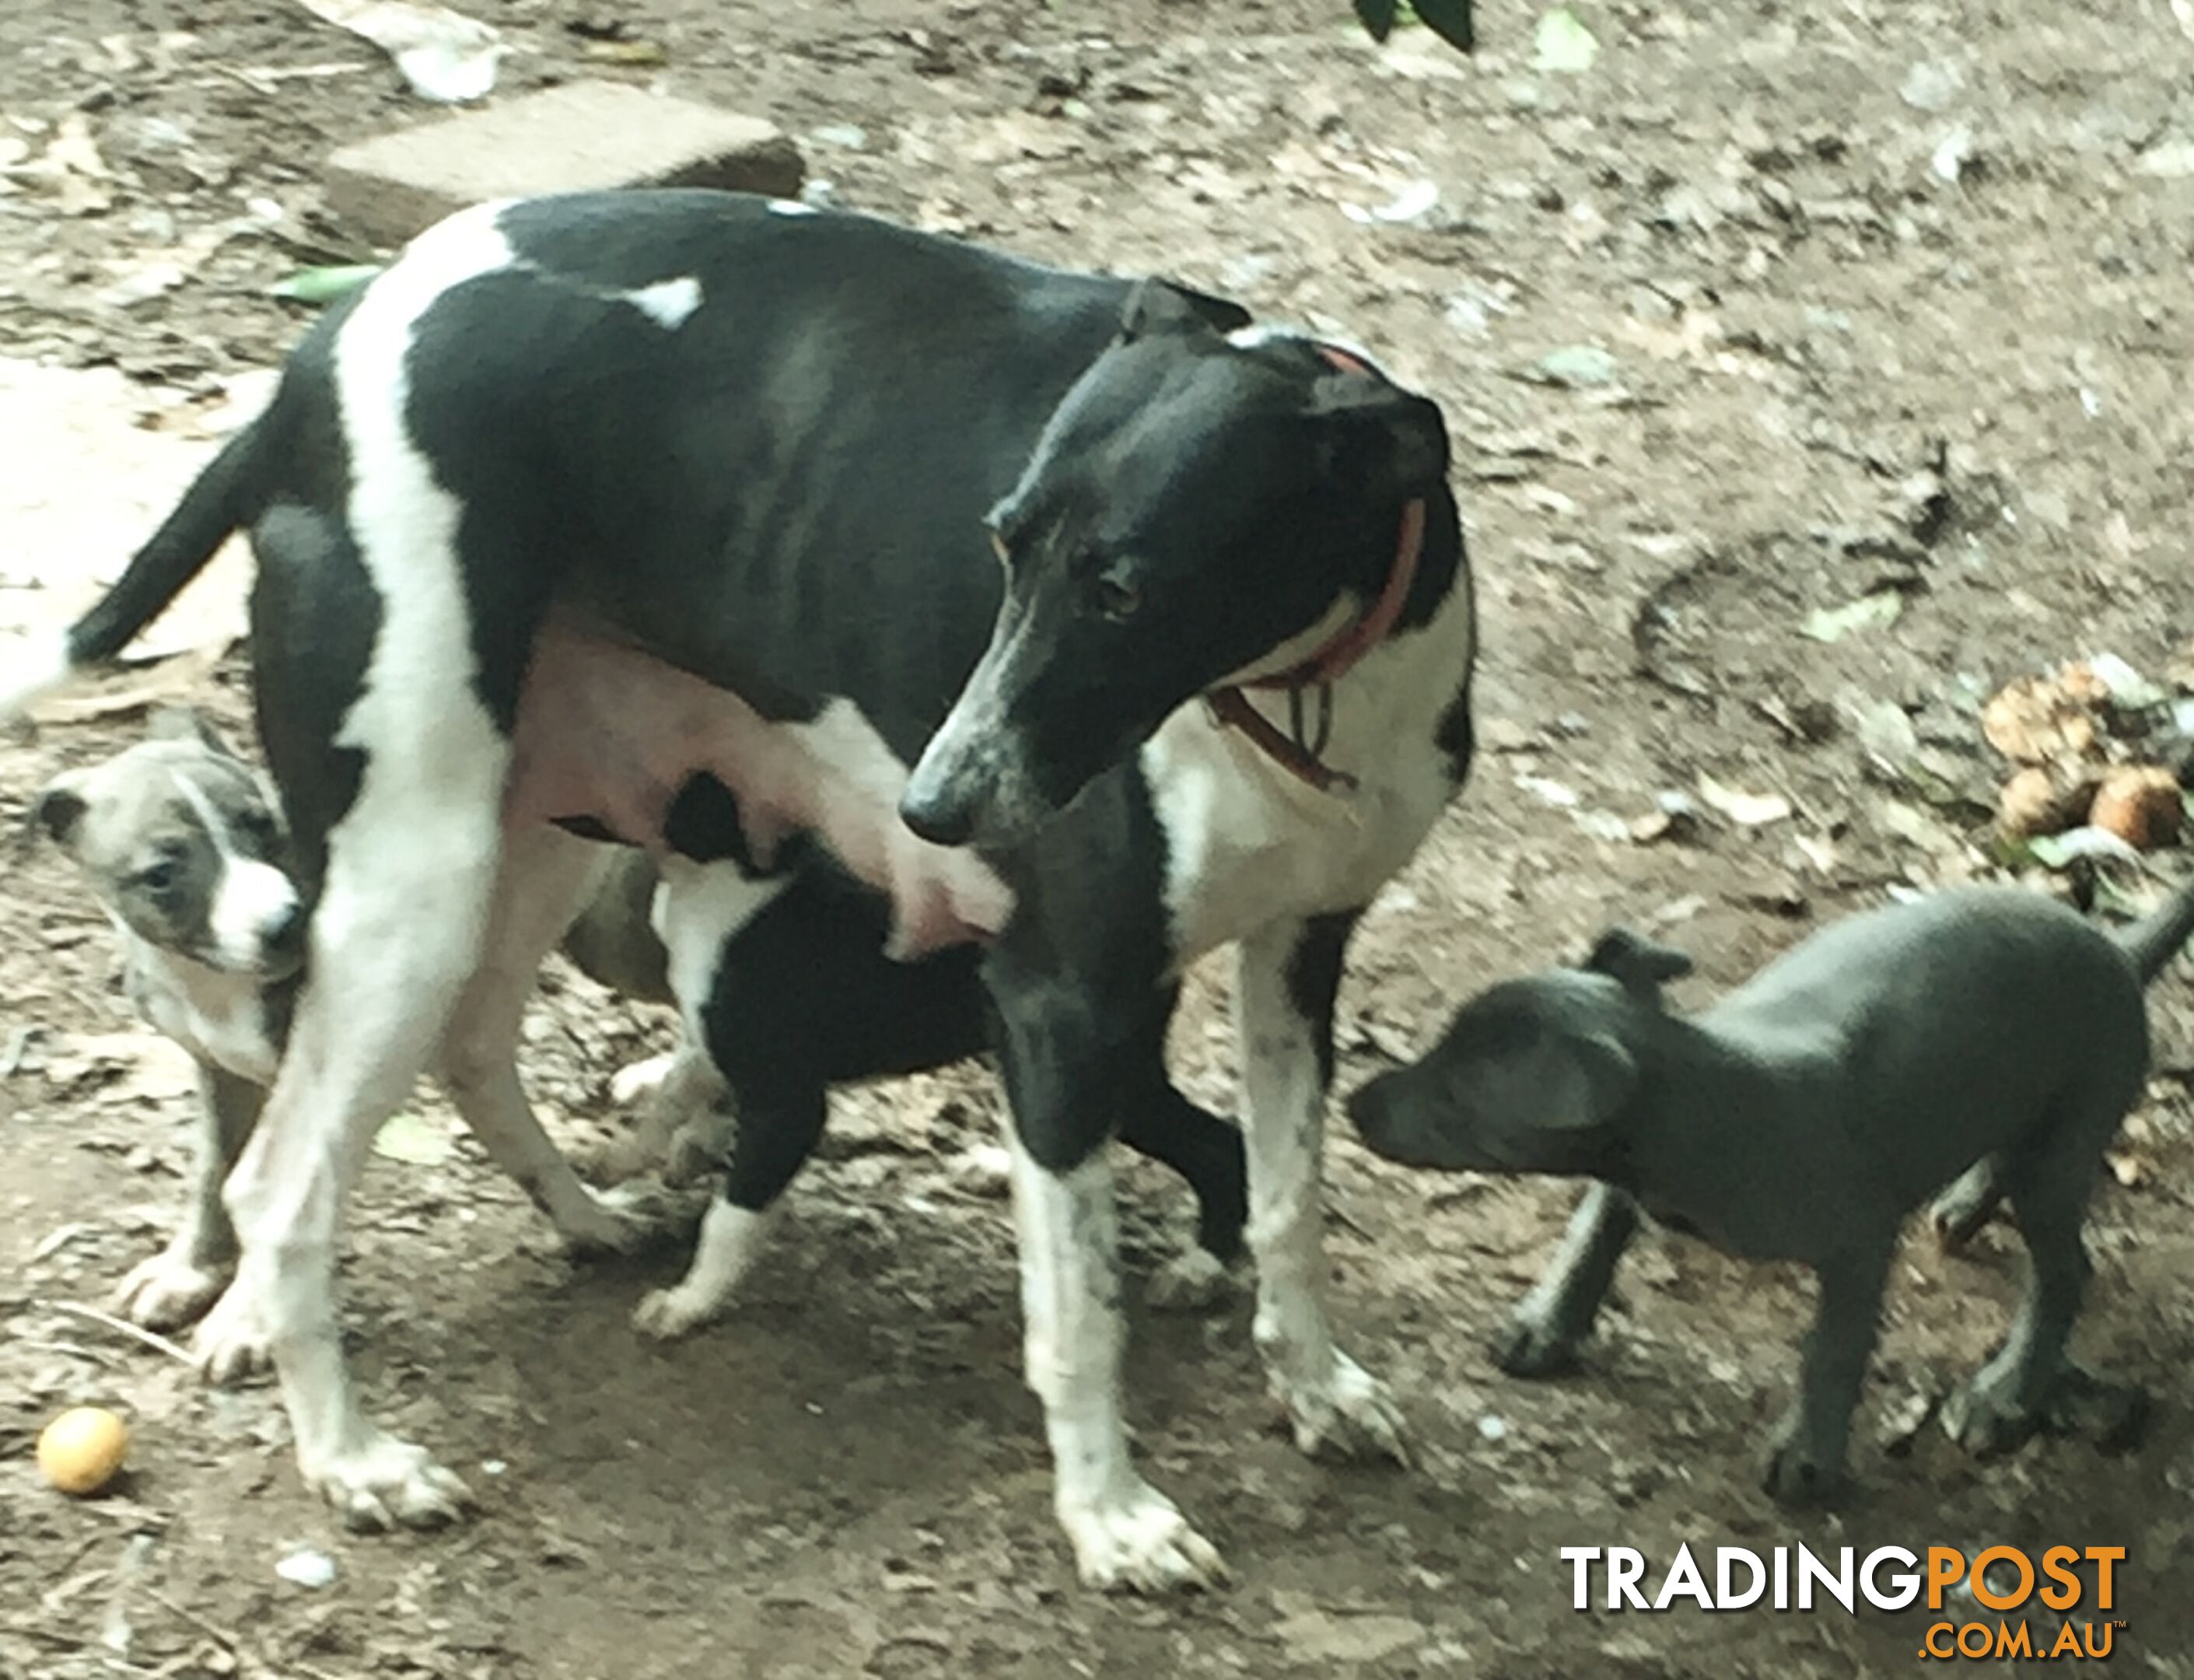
point(168, 1292)
point(230, 1344)
point(388, 1484)
point(1348, 1414)
point(666, 1315)
point(1195, 1281)
point(1139, 1543)
point(615, 1221)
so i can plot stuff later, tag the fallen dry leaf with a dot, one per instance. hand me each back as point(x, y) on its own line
point(2041, 719)
point(130, 1066)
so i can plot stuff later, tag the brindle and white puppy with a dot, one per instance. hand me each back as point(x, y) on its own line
point(184, 845)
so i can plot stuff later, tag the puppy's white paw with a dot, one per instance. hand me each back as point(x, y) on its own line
point(230, 1344)
point(388, 1484)
point(1347, 1414)
point(168, 1292)
point(1140, 1543)
point(666, 1315)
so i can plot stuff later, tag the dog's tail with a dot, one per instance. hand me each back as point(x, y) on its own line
point(2155, 939)
point(222, 497)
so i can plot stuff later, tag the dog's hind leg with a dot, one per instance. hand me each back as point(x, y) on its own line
point(1549, 1325)
point(393, 938)
point(391, 701)
point(1806, 1466)
point(545, 876)
point(1285, 989)
point(178, 1284)
point(2009, 1397)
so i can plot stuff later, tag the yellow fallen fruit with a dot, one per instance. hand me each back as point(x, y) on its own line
point(82, 1448)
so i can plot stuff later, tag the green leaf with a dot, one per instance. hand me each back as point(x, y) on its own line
point(325, 285)
point(1834, 624)
point(1564, 44)
point(1450, 19)
point(1377, 16)
point(414, 1141)
point(1576, 365)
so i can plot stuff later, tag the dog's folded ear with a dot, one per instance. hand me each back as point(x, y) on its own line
point(1386, 443)
point(184, 723)
point(59, 806)
point(1641, 965)
point(1157, 306)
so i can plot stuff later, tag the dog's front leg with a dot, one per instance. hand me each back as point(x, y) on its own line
point(1125, 1533)
point(1284, 987)
point(1807, 1464)
point(178, 1284)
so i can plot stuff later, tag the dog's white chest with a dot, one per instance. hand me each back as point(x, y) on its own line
point(1248, 842)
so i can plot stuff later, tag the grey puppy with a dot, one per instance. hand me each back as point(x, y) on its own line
point(1803, 1117)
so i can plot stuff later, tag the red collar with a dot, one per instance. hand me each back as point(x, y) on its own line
point(1292, 752)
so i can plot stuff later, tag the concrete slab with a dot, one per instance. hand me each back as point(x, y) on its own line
point(581, 137)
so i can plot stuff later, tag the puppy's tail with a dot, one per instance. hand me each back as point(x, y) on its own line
point(2155, 939)
point(223, 496)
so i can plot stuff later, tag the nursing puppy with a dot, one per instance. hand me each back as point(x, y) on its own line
point(1803, 1117)
point(587, 500)
point(800, 997)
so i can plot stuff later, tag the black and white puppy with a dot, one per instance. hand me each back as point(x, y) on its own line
point(588, 498)
point(785, 990)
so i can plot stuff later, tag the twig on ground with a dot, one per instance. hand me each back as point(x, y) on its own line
point(152, 1339)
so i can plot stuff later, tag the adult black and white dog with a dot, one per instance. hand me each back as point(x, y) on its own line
point(590, 502)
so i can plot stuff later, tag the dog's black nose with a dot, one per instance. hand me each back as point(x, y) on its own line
point(284, 930)
point(940, 816)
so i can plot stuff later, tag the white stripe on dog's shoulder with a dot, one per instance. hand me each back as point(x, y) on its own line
point(668, 303)
point(790, 207)
point(36, 666)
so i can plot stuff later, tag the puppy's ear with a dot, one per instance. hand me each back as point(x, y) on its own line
point(1157, 306)
point(60, 809)
point(1384, 444)
point(1641, 965)
point(184, 723)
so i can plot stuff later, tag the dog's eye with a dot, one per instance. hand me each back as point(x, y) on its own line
point(157, 876)
point(1115, 598)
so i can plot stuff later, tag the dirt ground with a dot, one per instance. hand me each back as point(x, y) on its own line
point(1830, 371)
